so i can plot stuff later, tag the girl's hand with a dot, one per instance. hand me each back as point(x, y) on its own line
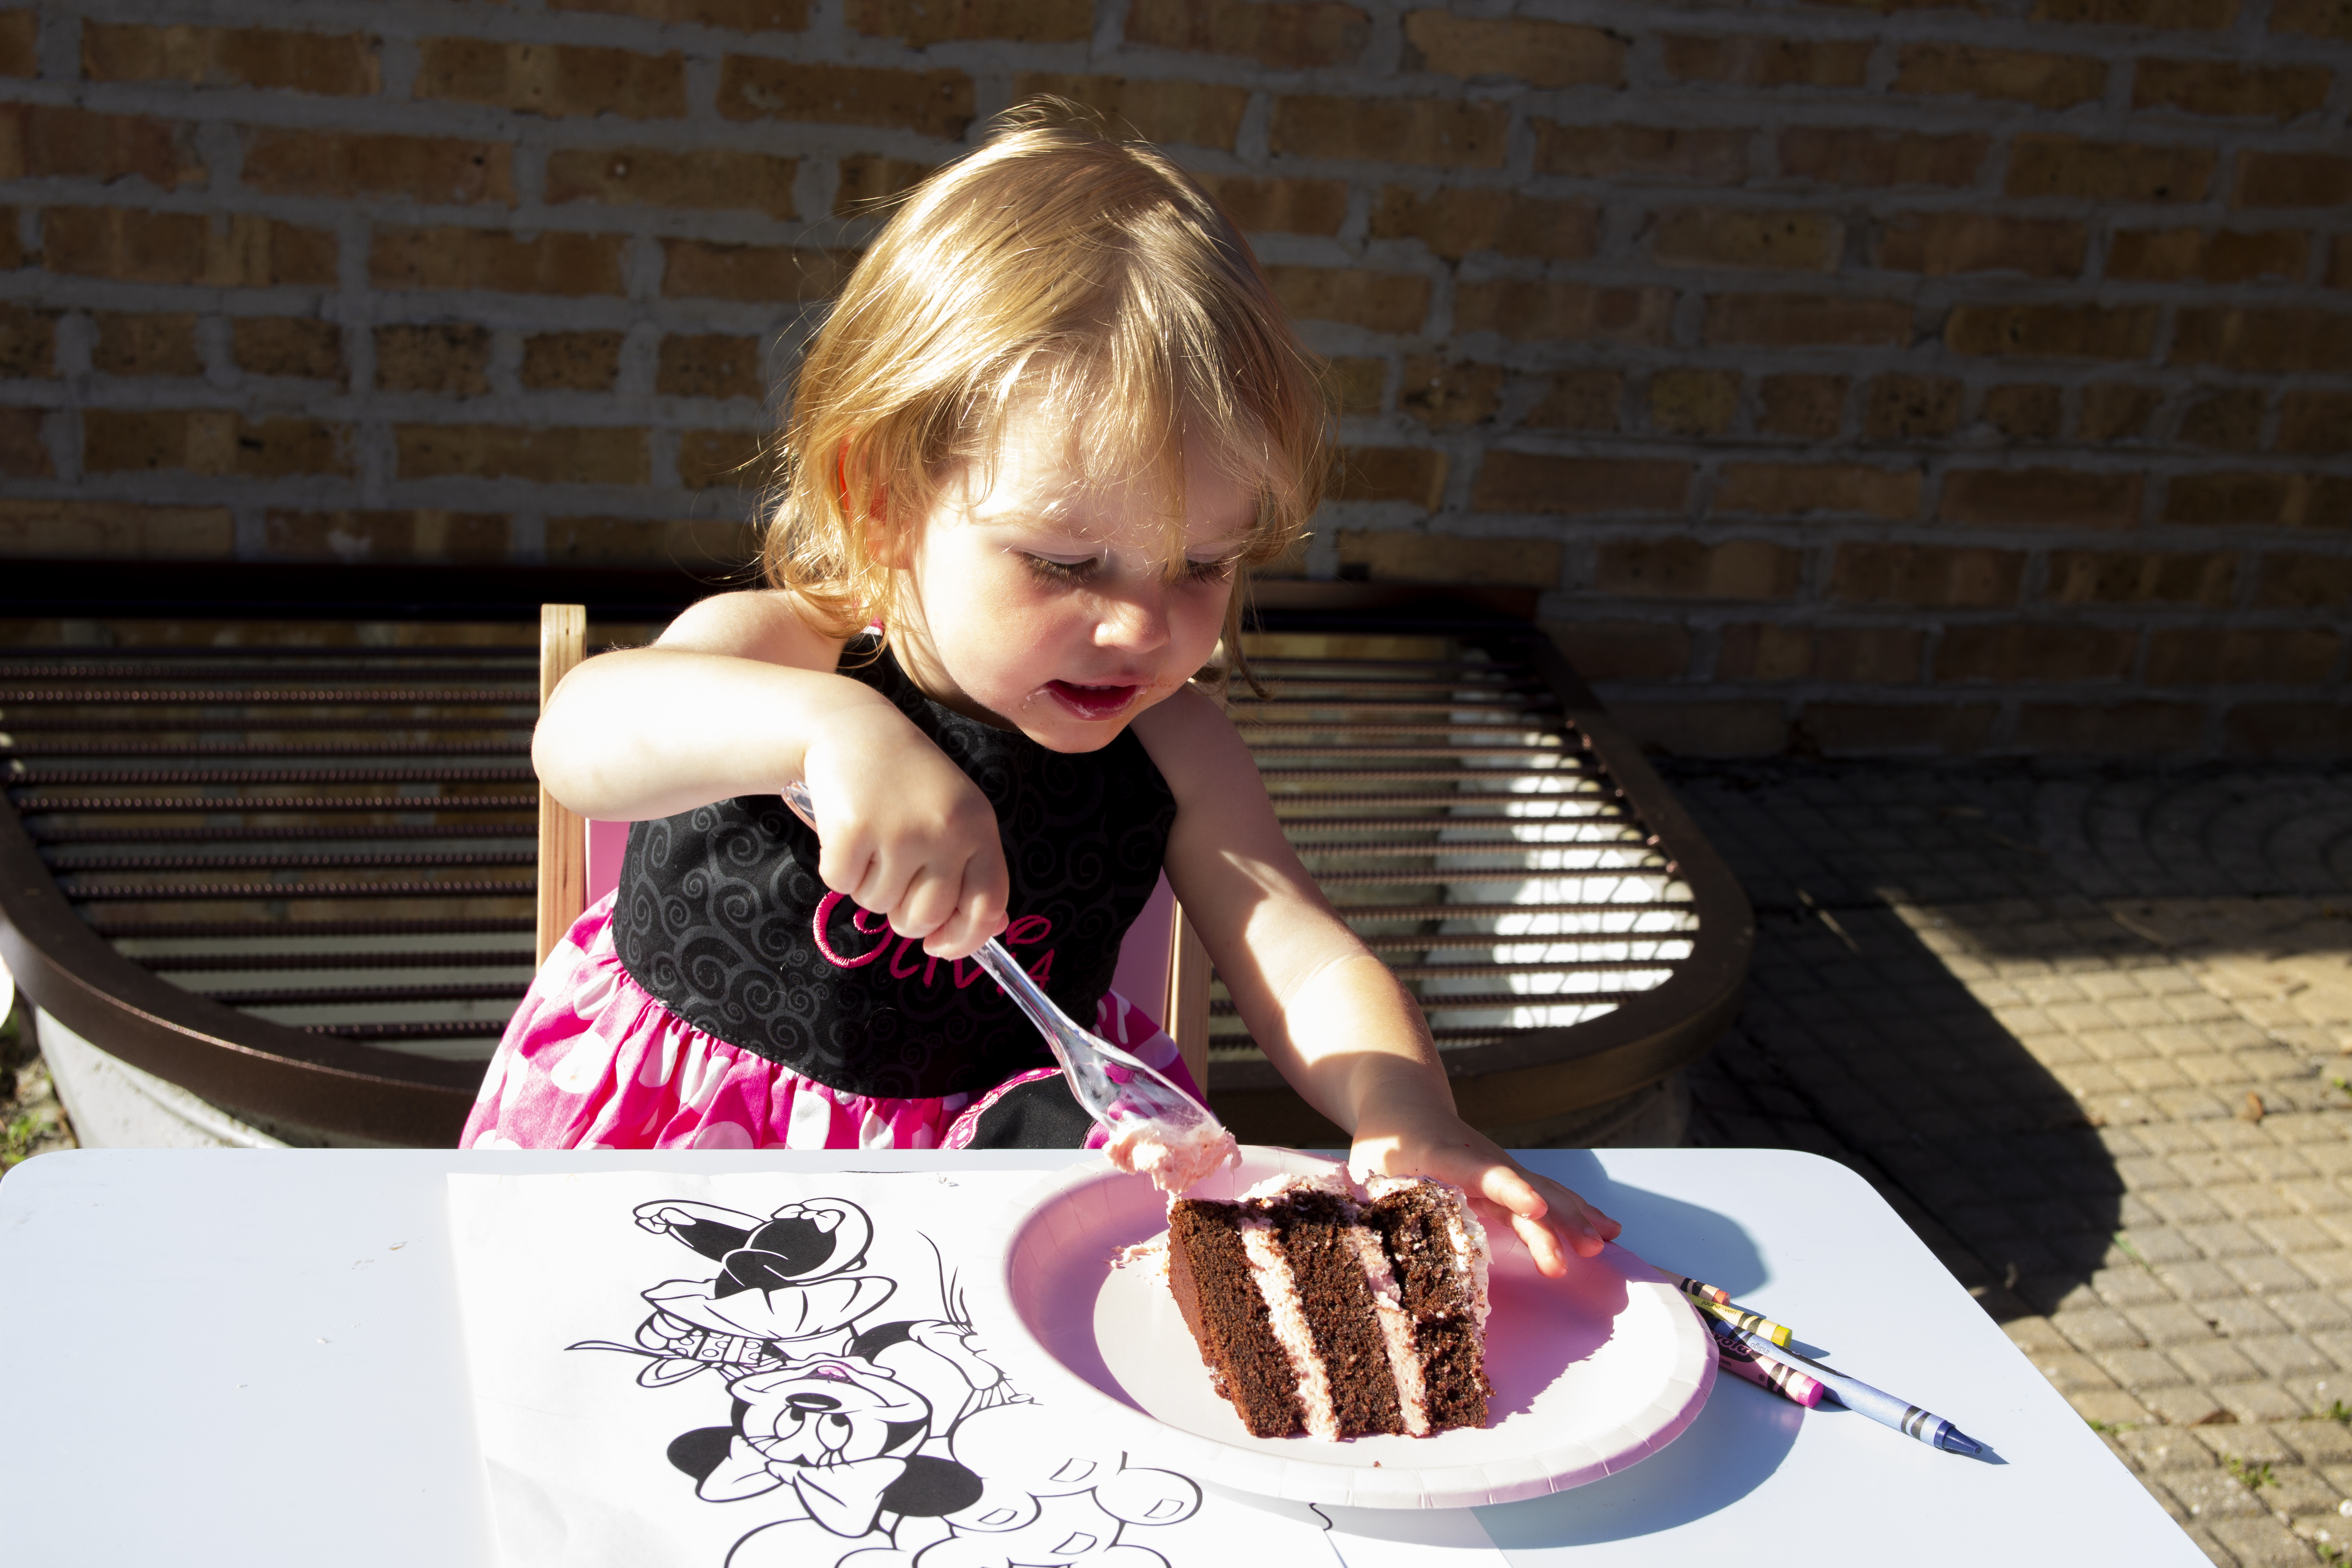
point(905, 834)
point(1550, 1219)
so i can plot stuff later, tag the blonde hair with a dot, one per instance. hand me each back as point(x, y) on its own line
point(1052, 268)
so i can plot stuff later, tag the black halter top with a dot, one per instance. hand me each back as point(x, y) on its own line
point(721, 916)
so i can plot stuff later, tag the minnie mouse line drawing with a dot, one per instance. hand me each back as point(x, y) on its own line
point(889, 1443)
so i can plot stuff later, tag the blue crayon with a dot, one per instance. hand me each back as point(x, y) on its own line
point(1864, 1400)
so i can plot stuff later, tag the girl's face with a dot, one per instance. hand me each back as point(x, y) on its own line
point(1061, 609)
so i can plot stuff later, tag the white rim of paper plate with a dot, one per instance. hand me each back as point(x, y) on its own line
point(1037, 1369)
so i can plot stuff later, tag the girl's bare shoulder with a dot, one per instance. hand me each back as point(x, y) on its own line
point(1194, 745)
point(770, 625)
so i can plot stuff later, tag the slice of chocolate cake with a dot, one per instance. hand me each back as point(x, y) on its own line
point(1335, 1310)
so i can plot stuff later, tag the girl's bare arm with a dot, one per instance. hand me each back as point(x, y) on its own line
point(1331, 1017)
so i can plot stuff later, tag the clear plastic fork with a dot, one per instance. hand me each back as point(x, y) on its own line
point(1156, 1128)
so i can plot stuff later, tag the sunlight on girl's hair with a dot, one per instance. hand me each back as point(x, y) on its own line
point(1055, 272)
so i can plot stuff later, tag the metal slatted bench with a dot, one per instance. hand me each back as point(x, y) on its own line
point(291, 891)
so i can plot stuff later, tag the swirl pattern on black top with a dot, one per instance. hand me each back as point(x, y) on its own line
point(719, 909)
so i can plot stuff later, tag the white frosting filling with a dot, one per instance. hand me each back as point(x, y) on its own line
point(1396, 1329)
point(1287, 1317)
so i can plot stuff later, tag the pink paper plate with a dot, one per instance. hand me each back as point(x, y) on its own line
point(1591, 1373)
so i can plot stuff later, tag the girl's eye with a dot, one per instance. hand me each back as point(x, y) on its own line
point(1208, 571)
point(1064, 571)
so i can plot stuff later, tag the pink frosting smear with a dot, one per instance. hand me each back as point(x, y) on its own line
point(1175, 1158)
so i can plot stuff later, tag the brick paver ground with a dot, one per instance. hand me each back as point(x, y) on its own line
point(2089, 1033)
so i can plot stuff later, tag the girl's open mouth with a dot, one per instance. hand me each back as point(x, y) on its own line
point(1092, 701)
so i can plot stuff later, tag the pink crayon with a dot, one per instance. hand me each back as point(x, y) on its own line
point(1739, 1360)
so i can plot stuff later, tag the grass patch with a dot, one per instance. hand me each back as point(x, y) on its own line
point(2253, 1478)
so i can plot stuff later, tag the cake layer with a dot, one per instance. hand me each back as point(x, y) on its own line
point(1210, 1273)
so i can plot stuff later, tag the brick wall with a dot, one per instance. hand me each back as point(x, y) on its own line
point(1866, 376)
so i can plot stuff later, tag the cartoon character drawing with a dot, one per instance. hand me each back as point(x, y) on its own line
point(888, 1444)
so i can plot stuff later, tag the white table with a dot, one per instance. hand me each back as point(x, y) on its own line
point(253, 1358)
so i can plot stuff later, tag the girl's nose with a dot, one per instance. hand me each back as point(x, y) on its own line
point(1135, 621)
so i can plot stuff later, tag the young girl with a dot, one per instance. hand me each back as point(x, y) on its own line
point(1054, 417)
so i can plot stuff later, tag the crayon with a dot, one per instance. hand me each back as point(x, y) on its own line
point(1699, 1290)
point(1874, 1402)
point(1760, 1369)
point(1741, 1317)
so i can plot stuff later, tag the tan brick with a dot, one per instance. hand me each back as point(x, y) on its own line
point(1536, 481)
point(2041, 497)
point(2116, 411)
point(292, 346)
point(24, 454)
point(139, 345)
point(710, 365)
point(1704, 237)
point(1762, 60)
point(212, 442)
point(1622, 650)
point(2034, 651)
point(707, 269)
point(2273, 339)
point(2044, 165)
point(2229, 87)
point(2226, 420)
point(1694, 569)
point(1911, 408)
point(2305, 730)
point(116, 530)
point(1541, 54)
point(1792, 489)
point(741, 16)
point(1863, 159)
point(1354, 386)
point(1377, 301)
point(2318, 423)
point(27, 341)
point(2054, 331)
point(571, 362)
point(40, 141)
point(1279, 207)
point(2140, 577)
point(1541, 310)
point(1287, 35)
point(922, 23)
point(1411, 474)
point(1580, 400)
point(1704, 729)
point(2262, 500)
point(1929, 576)
point(555, 263)
point(2313, 18)
point(1197, 113)
point(2207, 655)
point(1694, 401)
point(558, 81)
point(2213, 255)
point(1941, 245)
point(2295, 582)
point(1859, 655)
point(2020, 76)
point(1810, 406)
point(312, 163)
point(452, 358)
point(20, 43)
point(2025, 411)
point(717, 459)
point(2293, 180)
point(701, 543)
point(936, 104)
point(1441, 393)
point(1797, 319)
point(709, 178)
point(132, 246)
point(1439, 132)
point(2206, 15)
point(1454, 223)
point(439, 537)
point(1397, 556)
point(2124, 730)
point(1877, 730)
point(340, 64)
point(870, 182)
point(550, 455)
point(1641, 152)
